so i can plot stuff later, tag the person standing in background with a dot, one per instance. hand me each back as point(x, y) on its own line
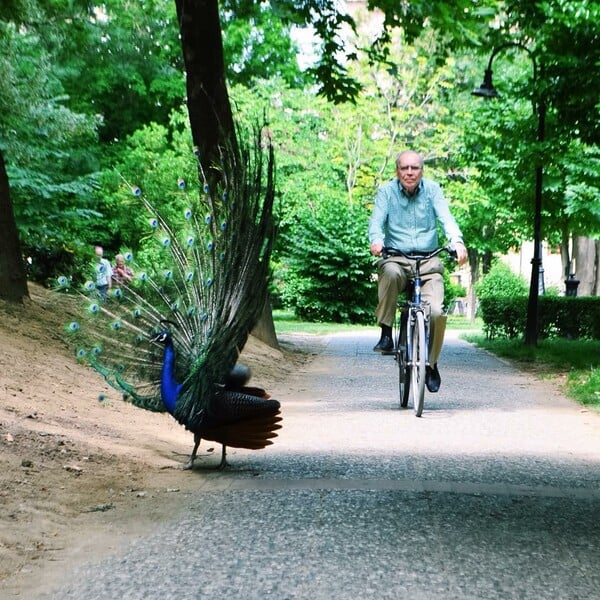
point(103, 273)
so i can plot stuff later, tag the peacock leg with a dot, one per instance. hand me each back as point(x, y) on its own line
point(190, 463)
point(223, 462)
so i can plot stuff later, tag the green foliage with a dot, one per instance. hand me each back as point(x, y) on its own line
point(570, 317)
point(584, 386)
point(50, 152)
point(257, 45)
point(502, 299)
point(501, 282)
point(558, 316)
point(330, 264)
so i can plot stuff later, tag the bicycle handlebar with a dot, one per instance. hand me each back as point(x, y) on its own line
point(387, 252)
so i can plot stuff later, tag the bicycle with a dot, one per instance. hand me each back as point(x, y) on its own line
point(411, 333)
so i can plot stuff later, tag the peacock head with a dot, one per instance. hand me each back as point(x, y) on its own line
point(164, 337)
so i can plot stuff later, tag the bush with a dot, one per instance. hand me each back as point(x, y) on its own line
point(558, 316)
point(328, 268)
point(501, 282)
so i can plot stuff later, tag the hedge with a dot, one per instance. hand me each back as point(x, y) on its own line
point(558, 316)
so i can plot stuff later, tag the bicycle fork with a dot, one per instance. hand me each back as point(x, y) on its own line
point(411, 319)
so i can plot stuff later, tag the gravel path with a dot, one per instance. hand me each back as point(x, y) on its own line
point(493, 493)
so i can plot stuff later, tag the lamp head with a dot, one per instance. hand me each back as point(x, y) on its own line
point(486, 89)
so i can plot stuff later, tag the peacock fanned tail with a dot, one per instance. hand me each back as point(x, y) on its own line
point(208, 284)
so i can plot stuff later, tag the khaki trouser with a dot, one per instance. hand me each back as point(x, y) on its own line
point(394, 274)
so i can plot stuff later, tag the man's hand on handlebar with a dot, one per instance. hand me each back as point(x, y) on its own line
point(461, 253)
point(376, 248)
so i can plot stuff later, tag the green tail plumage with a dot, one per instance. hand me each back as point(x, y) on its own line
point(208, 279)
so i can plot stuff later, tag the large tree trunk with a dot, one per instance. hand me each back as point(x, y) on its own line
point(13, 279)
point(586, 253)
point(209, 108)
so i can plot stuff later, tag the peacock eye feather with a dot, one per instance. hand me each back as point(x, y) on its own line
point(96, 351)
point(205, 188)
point(72, 326)
point(224, 226)
point(189, 276)
point(191, 311)
point(136, 313)
point(93, 308)
point(209, 246)
point(143, 276)
point(136, 191)
point(187, 213)
point(168, 274)
point(165, 242)
point(115, 325)
point(118, 293)
point(190, 241)
point(128, 256)
point(63, 281)
point(153, 222)
point(80, 354)
point(208, 219)
point(208, 282)
point(181, 183)
point(175, 306)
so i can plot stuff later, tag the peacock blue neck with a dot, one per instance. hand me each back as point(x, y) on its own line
point(169, 388)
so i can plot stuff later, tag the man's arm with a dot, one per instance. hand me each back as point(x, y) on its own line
point(377, 222)
point(450, 226)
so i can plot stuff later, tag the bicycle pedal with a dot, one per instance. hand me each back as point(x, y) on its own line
point(388, 353)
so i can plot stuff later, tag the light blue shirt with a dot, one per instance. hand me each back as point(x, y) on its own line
point(409, 223)
point(103, 272)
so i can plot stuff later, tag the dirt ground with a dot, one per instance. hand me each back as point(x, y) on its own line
point(77, 463)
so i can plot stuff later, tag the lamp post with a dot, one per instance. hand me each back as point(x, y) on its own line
point(487, 90)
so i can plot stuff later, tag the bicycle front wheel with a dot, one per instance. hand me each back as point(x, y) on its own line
point(417, 364)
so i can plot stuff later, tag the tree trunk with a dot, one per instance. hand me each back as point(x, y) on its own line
point(13, 279)
point(586, 253)
point(209, 108)
point(265, 328)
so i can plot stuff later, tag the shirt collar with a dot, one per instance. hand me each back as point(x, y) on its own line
point(404, 193)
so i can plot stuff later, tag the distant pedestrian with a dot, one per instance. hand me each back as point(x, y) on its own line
point(121, 273)
point(103, 273)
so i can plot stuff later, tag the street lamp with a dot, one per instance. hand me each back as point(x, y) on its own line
point(487, 90)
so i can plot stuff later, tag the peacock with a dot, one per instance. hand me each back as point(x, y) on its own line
point(170, 338)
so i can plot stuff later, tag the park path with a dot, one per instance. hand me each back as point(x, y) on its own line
point(493, 493)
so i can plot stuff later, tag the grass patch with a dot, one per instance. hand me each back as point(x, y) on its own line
point(579, 360)
point(286, 322)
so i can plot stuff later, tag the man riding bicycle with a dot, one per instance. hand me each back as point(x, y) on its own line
point(405, 217)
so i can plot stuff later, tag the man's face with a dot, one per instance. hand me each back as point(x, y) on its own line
point(409, 171)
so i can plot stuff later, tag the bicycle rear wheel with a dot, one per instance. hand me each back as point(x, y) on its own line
point(417, 364)
point(400, 355)
point(403, 376)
